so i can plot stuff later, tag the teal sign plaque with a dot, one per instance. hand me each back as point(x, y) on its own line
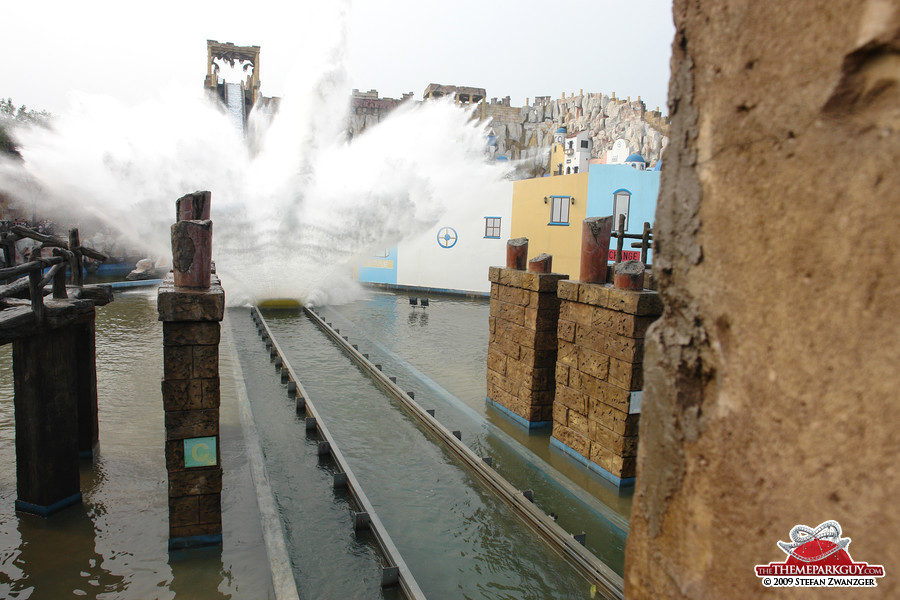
point(200, 452)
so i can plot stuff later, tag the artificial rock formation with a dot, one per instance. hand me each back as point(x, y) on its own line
point(771, 379)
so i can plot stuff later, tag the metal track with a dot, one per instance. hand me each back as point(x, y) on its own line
point(609, 584)
point(395, 571)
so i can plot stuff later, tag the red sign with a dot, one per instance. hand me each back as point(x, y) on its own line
point(818, 558)
point(626, 255)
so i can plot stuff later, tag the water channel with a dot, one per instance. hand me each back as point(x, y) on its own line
point(457, 538)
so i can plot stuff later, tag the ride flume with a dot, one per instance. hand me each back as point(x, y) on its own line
point(602, 579)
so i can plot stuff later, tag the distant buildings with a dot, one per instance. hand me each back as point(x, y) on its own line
point(455, 254)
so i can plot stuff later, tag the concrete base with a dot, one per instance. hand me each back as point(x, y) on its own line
point(617, 481)
point(519, 420)
point(46, 511)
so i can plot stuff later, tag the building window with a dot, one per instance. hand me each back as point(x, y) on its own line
point(574, 169)
point(621, 205)
point(568, 170)
point(559, 210)
point(492, 227)
point(584, 143)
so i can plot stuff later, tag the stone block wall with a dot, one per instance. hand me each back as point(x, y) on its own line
point(522, 347)
point(190, 390)
point(599, 374)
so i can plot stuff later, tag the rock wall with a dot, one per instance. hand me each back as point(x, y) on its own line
point(527, 131)
point(607, 118)
point(771, 381)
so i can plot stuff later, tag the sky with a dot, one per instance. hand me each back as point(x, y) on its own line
point(516, 48)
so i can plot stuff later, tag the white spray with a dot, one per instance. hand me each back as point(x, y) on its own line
point(290, 219)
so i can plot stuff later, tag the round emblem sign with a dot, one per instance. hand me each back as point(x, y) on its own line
point(446, 237)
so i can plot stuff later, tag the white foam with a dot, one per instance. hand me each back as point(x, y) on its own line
point(291, 217)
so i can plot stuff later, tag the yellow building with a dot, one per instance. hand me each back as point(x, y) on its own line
point(549, 211)
point(558, 152)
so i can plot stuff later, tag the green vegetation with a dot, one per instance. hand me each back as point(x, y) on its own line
point(10, 117)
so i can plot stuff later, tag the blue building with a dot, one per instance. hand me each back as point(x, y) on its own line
point(624, 189)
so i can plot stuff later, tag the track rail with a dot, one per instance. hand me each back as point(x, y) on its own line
point(608, 583)
point(395, 571)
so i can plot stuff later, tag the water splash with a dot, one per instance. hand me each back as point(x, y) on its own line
point(292, 216)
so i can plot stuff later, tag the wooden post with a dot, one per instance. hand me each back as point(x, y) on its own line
point(629, 275)
point(620, 240)
point(542, 263)
point(36, 294)
point(75, 248)
point(47, 478)
point(595, 234)
point(193, 207)
point(192, 253)
point(645, 242)
point(517, 254)
point(85, 360)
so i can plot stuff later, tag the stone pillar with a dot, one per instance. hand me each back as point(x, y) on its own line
point(190, 390)
point(599, 375)
point(522, 348)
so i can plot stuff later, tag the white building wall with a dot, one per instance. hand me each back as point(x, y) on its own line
point(578, 157)
point(423, 262)
point(618, 154)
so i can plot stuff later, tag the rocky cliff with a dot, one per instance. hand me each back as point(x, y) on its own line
point(528, 131)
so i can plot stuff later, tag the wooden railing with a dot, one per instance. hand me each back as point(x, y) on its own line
point(646, 239)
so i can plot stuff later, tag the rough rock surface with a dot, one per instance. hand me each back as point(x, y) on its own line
point(771, 379)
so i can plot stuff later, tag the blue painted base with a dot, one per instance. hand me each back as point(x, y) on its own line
point(592, 466)
point(46, 511)
point(519, 420)
point(118, 285)
point(195, 541)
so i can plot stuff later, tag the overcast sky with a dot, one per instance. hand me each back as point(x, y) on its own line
point(516, 48)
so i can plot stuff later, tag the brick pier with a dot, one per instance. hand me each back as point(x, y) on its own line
point(522, 348)
point(599, 374)
point(191, 304)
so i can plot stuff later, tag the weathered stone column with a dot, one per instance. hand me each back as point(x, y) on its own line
point(522, 348)
point(190, 386)
point(599, 375)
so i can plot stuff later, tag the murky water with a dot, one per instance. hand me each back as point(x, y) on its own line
point(441, 354)
point(115, 544)
point(457, 538)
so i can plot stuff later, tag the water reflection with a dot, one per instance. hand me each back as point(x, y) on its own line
point(417, 318)
point(458, 539)
point(451, 356)
point(114, 545)
point(76, 569)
